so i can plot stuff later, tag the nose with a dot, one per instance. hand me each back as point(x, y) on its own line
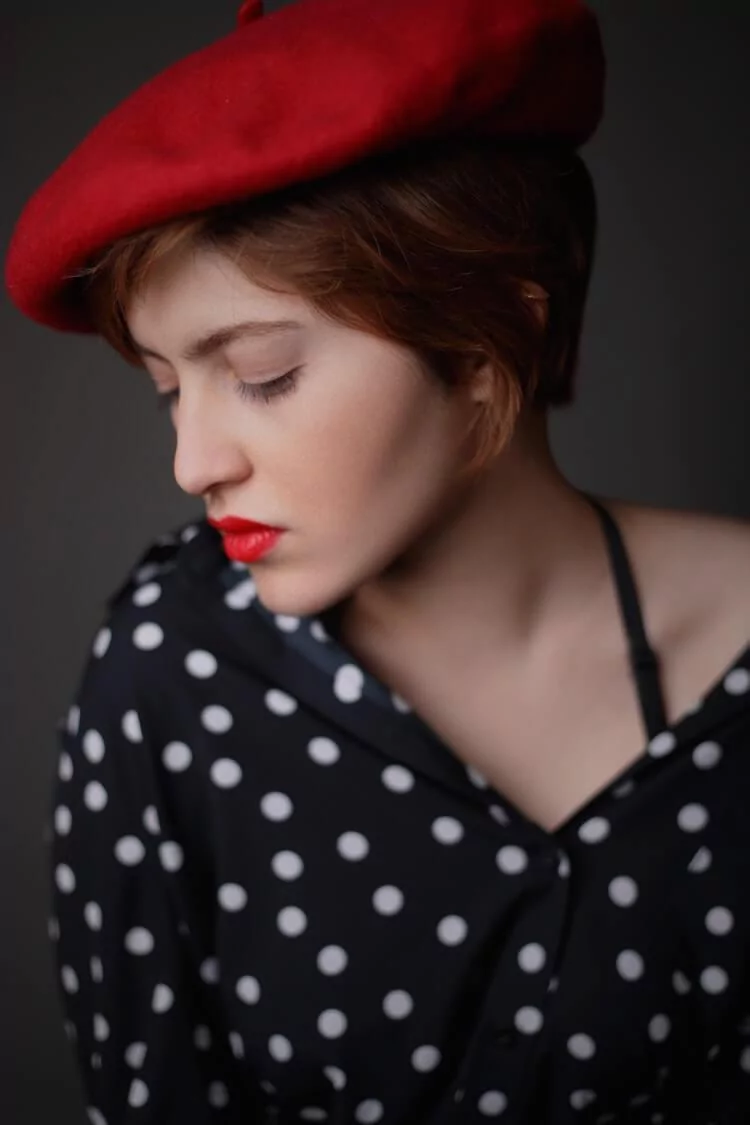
point(207, 453)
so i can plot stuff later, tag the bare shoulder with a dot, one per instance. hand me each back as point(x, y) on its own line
point(694, 565)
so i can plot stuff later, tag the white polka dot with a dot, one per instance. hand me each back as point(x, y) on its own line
point(425, 1058)
point(512, 860)
point(71, 720)
point(447, 830)
point(388, 900)
point(63, 820)
point(280, 702)
point(102, 641)
point(53, 929)
point(719, 921)
point(95, 796)
point(630, 964)
point(138, 1095)
point(147, 636)
point(681, 983)
point(335, 1076)
point(707, 755)
point(201, 664)
point(452, 930)
point(163, 998)
point(579, 1099)
point(399, 702)
point(232, 896)
point(532, 957)
point(737, 682)
point(241, 596)
point(93, 746)
point(353, 845)
point(96, 969)
point(131, 726)
point(135, 1055)
point(492, 1103)
point(368, 1112)
point(581, 1046)
point(69, 979)
point(563, 867)
point(95, 1117)
point(499, 814)
point(332, 960)
point(276, 806)
point(147, 594)
point(248, 990)
point(280, 1048)
point(171, 855)
point(692, 818)
point(662, 744)
point(218, 1095)
point(398, 779)
point(129, 850)
point(292, 921)
point(594, 830)
point(476, 777)
point(745, 1060)
point(348, 683)
point(151, 820)
point(323, 751)
point(216, 718)
point(625, 789)
point(398, 1004)
point(65, 767)
point(101, 1028)
point(202, 1038)
point(287, 865)
point(92, 912)
point(226, 773)
point(332, 1023)
point(313, 1113)
point(287, 622)
point(65, 879)
point(209, 970)
point(623, 890)
point(659, 1028)
point(236, 1044)
point(139, 940)
point(701, 861)
point(714, 979)
point(528, 1020)
point(176, 756)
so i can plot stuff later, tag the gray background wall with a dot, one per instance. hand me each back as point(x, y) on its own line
point(662, 414)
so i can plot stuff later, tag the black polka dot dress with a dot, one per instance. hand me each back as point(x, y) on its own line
point(279, 897)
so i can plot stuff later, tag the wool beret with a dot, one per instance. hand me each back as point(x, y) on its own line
point(295, 94)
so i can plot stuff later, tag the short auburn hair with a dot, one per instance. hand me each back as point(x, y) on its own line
point(430, 247)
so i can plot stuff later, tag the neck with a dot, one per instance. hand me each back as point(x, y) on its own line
point(515, 563)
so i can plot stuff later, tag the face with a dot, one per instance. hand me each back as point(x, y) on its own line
point(358, 460)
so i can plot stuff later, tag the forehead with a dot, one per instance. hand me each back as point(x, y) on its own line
point(192, 293)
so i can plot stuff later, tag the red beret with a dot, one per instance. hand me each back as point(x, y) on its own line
point(296, 94)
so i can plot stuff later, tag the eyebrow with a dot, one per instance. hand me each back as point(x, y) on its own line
point(207, 345)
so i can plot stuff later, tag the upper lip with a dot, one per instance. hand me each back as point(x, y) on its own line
point(237, 524)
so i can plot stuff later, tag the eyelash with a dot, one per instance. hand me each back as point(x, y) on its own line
point(272, 388)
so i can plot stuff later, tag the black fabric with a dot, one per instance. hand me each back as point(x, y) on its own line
point(280, 897)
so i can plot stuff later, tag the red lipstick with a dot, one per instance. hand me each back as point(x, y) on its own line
point(246, 540)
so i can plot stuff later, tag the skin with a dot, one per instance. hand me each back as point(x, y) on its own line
point(361, 464)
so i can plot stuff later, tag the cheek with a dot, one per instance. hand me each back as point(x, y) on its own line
point(382, 448)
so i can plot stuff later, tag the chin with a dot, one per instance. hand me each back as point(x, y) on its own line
point(281, 598)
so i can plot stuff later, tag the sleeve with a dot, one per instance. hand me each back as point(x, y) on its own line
point(149, 1047)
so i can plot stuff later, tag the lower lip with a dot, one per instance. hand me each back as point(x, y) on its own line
point(250, 545)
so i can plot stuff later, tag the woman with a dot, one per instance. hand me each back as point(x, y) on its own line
point(426, 801)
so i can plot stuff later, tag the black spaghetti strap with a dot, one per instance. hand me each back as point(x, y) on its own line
point(643, 659)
